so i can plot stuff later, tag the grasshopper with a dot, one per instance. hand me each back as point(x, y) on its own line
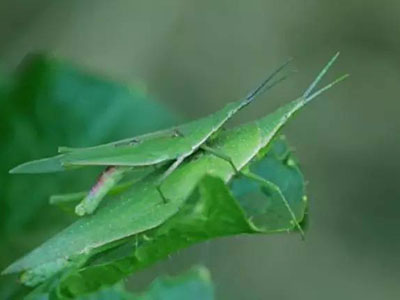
point(174, 144)
point(139, 208)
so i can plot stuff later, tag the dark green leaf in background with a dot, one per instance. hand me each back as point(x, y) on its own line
point(194, 284)
point(50, 103)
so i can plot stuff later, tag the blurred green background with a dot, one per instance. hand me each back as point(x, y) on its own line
point(194, 56)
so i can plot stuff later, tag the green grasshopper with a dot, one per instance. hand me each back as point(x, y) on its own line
point(139, 209)
point(175, 144)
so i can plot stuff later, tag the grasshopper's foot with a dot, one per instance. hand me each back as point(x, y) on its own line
point(89, 204)
point(86, 207)
point(82, 210)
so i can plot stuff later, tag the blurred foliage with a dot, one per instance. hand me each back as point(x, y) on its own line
point(50, 103)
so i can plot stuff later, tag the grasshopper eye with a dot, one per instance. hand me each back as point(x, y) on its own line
point(177, 133)
point(134, 142)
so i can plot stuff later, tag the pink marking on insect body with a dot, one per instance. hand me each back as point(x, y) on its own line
point(109, 171)
point(107, 180)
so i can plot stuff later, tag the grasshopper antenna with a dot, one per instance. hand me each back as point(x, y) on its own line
point(266, 84)
point(309, 95)
point(327, 87)
point(320, 75)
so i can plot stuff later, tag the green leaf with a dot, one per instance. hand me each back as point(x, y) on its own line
point(195, 284)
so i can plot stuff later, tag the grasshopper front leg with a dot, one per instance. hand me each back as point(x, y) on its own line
point(107, 180)
point(171, 169)
point(168, 172)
